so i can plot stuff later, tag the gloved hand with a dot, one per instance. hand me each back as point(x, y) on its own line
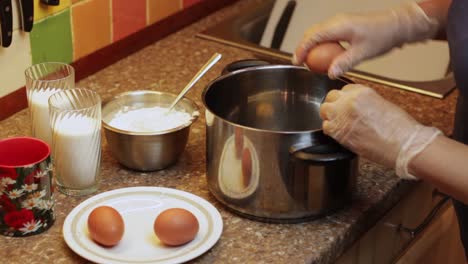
point(374, 128)
point(369, 34)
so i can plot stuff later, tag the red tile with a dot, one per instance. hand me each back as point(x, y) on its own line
point(160, 9)
point(128, 17)
point(188, 3)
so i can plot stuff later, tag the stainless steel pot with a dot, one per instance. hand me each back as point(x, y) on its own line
point(267, 157)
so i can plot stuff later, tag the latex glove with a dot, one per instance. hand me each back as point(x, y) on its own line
point(372, 127)
point(369, 34)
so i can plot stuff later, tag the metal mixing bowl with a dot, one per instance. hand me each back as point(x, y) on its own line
point(147, 151)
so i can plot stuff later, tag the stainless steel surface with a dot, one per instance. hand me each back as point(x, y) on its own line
point(261, 122)
point(245, 32)
point(147, 151)
point(212, 61)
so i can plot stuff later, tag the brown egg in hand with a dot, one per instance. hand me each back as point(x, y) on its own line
point(321, 56)
point(106, 226)
point(176, 226)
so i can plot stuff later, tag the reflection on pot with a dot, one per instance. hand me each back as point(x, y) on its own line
point(209, 117)
point(265, 110)
point(238, 174)
point(239, 141)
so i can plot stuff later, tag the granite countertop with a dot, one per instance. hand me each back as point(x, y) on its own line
point(168, 65)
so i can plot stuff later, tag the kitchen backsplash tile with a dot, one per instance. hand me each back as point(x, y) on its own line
point(41, 10)
point(13, 61)
point(75, 29)
point(51, 39)
point(159, 9)
point(127, 17)
point(91, 26)
point(188, 3)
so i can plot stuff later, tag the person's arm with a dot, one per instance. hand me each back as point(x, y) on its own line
point(444, 163)
point(439, 10)
point(374, 33)
point(374, 128)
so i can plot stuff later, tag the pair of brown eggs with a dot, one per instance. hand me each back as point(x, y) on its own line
point(173, 227)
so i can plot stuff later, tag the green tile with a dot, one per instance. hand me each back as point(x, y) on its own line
point(51, 39)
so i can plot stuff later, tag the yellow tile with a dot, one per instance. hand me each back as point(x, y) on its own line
point(41, 11)
point(159, 9)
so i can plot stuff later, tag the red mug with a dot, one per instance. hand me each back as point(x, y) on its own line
point(26, 194)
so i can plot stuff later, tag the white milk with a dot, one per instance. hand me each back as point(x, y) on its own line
point(151, 119)
point(77, 151)
point(39, 107)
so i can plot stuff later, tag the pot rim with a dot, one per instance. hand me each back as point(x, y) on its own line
point(256, 68)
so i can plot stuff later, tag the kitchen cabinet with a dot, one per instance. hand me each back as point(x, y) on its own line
point(439, 243)
point(434, 238)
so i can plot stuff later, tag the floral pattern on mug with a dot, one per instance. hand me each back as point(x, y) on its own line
point(26, 199)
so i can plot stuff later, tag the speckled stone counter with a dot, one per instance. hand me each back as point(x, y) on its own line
point(168, 65)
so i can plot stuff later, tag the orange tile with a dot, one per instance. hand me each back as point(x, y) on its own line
point(159, 9)
point(188, 3)
point(91, 26)
point(127, 17)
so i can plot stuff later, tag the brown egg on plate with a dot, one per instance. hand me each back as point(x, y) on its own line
point(246, 167)
point(321, 56)
point(176, 226)
point(106, 226)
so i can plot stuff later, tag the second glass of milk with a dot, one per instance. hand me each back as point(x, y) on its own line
point(75, 120)
point(43, 80)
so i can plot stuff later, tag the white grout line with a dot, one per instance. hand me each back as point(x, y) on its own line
point(72, 33)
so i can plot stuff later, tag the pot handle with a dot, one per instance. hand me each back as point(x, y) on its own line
point(324, 150)
point(243, 64)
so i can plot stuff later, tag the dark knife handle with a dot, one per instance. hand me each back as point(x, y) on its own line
point(27, 14)
point(51, 2)
point(6, 21)
point(282, 26)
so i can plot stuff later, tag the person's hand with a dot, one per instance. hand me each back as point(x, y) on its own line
point(374, 128)
point(368, 34)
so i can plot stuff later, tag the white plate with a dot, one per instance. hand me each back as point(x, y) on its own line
point(139, 207)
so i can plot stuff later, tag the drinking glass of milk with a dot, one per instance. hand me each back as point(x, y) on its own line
point(75, 121)
point(43, 80)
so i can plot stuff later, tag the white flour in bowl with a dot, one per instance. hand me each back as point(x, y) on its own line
point(152, 119)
